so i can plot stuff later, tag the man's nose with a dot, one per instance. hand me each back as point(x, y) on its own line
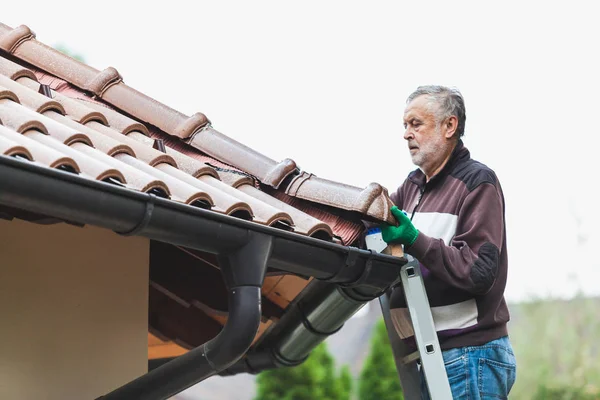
point(408, 134)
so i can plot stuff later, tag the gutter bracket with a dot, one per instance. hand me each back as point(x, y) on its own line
point(362, 279)
point(145, 218)
point(351, 258)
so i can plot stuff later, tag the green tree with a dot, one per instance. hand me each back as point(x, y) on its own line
point(316, 378)
point(379, 378)
point(346, 380)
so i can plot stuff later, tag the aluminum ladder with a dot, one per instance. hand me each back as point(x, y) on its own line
point(428, 357)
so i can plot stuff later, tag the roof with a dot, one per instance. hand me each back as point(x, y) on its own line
point(63, 114)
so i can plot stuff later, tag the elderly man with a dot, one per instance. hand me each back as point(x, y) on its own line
point(450, 214)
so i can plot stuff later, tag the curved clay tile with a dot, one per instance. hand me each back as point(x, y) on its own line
point(102, 81)
point(373, 200)
point(89, 166)
point(11, 149)
point(142, 152)
point(42, 154)
point(232, 152)
point(21, 42)
point(135, 178)
point(102, 142)
point(10, 39)
point(106, 84)
point(347, 230)
point(21, 118)
point(31, 99)
point(15, 71)
point(235, 179)
point(190, 165)
point(303, 222)
point(116, 120)
point(185, 163)
point(76, 110)
point(180, 191)
point(224, 202)
point(6, 94)
point(264, 212)
point(153, 112)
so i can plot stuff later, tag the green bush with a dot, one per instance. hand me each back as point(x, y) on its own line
point(316, 378)
point(379, 378)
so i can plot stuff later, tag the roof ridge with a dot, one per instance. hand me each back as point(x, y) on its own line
point(195, 130)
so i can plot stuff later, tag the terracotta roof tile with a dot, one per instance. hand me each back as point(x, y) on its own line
point(42, 154)
point(104, 143)
point(117, 120)
point(6, 94)
point(347, 229)
point(185, 163)
point(372, 201)
point(304, 223)
point(236, 179)
point(225, 201)
point(143, 152)
point(180, 191)
point(11, 38)
point(76, 109)
point(21, 42)
point(10, 148)
point(153, 112)
point(93, 168)
point(263, 211)
point(219, 146)
point(135, 178)
point(13, 70)
point(32, 99)
point(19, 118)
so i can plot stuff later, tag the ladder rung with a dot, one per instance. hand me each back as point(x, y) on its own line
point(412, 357)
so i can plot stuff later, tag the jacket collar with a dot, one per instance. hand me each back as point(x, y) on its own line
point(459, 154)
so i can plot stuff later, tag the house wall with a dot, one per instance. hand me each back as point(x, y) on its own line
point(73, 309)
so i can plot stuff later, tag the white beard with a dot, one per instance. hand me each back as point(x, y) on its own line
point(427, 151)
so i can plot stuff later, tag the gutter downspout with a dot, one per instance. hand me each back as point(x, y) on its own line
point(321, 312)
point(243, 271)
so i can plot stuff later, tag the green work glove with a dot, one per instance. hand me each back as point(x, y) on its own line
point(405, 233)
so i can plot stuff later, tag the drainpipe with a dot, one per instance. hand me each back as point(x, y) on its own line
point(321, 312)
point(243, 271)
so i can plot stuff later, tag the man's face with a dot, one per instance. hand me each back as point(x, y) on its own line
point(426, 141)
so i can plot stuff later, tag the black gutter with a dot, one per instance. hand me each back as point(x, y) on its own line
point(70, 197)
point(67, 196)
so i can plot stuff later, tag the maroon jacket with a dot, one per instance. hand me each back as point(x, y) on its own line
point(462, 250)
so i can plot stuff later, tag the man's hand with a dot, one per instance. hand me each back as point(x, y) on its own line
point(405, 233)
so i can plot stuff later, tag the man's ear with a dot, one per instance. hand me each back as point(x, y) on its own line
point(450, 126)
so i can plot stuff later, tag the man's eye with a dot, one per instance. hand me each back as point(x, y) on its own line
point(405, 125)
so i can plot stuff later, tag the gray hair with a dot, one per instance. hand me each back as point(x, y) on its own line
point(449, 101)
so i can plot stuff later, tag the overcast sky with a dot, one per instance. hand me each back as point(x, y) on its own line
point(325, 83)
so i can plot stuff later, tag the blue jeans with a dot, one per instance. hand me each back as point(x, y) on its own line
point(479, 372)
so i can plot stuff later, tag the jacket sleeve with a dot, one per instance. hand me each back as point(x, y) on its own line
point(471, 260)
